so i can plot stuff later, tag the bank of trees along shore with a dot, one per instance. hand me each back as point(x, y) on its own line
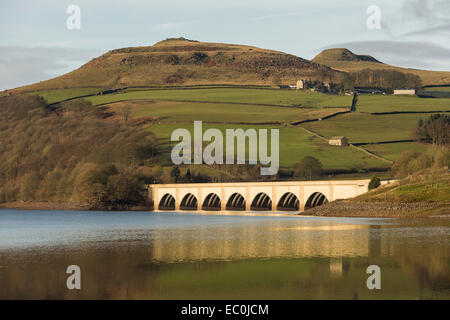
point(70, 154)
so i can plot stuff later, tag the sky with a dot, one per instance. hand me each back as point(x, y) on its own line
point(36, 44)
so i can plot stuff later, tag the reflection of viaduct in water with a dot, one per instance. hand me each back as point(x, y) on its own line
point(253, 196)
point(251, 240)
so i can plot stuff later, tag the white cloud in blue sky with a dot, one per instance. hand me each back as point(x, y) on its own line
point(37, 29)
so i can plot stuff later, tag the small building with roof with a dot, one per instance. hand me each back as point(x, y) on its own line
point(340, 141)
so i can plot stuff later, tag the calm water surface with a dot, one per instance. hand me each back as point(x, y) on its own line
point(143, 255)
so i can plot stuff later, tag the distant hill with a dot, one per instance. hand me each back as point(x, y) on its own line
point(344, 60)
point(181, 61)
point(341, 54)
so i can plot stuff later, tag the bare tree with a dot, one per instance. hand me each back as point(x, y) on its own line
point(126, 112)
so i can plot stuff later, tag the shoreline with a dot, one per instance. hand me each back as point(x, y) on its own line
point(65, 206)
point(381, 209)
point(340, 208)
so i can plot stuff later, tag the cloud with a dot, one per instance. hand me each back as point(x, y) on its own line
point(169, 25)
point(23, 65)
point(429, 11)
point(407, 54)
point(418, 20)
point(281, 15)
point(426, 17)
point(430, 31)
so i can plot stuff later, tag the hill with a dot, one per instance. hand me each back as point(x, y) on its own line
point(183, 62)
point(186, 62)
point(341, 54)
point(345, 60)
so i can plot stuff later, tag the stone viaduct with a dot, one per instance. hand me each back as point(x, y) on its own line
point(253, 196)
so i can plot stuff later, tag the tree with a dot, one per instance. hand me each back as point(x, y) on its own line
point(435, 130)
point(124, 190)
point(374, 183)
point(126, 111)
point(30, 184)
point(441, 157)
point(111, 188)
point(175, 173)
point(102, 174)
point(387, 79)
point(400, 167)
point(410, 161)
point(354, 101)
point(308, 168)
point(188, 175)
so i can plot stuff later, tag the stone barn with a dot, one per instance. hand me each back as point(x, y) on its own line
point(338, 141)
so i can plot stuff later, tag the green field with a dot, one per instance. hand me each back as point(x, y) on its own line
point(174, 111)
point(439, 89)
point(222, 108)
point(53, 96)
point(232, 95)
point(219, 108)
point(361, 127)
point(390, 103)
point(392, 150)
point(295, 144)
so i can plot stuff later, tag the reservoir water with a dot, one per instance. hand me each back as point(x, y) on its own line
point(146, 255)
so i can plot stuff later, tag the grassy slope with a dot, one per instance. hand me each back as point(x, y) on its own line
point(221, 106)
point(53, 96)
point(392, 150)
point(430, 185)
point(439, 89)
point(389, 103)
point(295, 144)
point(174, 111)
point(232, 95)
point(361, 127)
